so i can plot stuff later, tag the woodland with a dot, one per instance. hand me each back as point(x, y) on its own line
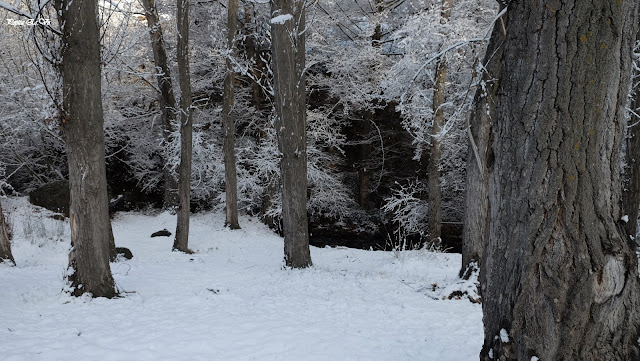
point(497, 140)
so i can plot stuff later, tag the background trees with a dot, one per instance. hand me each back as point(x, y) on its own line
point(370, 87)
point(166, 97)
point(561, 279)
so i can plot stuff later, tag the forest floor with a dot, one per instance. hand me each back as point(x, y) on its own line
point(230, 300)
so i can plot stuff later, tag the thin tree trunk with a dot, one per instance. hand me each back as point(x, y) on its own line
point(433, 179)
point(364, 153)
point(5, 241)
point(290, 102)
point(560, 278)
point(364, 130)
point(181, 242)
point(228, 124)
point(479, 156)
point(166, 98)
point(82, 126)
point(435, 192)
point(113, 253)
point(250, 44)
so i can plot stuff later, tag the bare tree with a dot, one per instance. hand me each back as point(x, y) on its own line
point(228, 123)
point(288, 47)
point(82, 126)
point(166, 97)
point(5, 241)
point(435, 193)
point(560, 279)
point(181, 242)
point(476, 214)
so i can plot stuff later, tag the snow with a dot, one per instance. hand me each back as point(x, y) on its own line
point(281, 19)
point(230, 300)
point(504, 335)
point(625, 218)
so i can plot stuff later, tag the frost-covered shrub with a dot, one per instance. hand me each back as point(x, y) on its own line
point(409, 211)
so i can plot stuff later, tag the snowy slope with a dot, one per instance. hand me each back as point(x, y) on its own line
point(231, 300)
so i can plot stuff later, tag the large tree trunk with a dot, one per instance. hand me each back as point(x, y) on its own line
point(288, 44)
point(181, 242)
point(5, 241)
point(82, 126)
point(228, 124)
point(476, 215)
point(167, 98)
point(560, 278)
point(631, 185)
point(435, 192)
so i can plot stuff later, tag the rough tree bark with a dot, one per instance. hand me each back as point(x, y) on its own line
point(167, 98)
point(228, 123)
point(5, 241)
point(631, 192)
point(181, 242)
point(560, 278)
point(435, 192)
point(476, 215)
point(82, 127)
point(631, 185)
point(288, 47)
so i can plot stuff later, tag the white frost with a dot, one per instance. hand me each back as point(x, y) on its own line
point(504, 336)
point(281, 19)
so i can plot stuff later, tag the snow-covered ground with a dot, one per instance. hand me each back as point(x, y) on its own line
point(231, 300)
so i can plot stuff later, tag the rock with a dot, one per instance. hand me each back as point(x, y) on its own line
point(163, 233)
point(124, 252)
point(54, 196)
